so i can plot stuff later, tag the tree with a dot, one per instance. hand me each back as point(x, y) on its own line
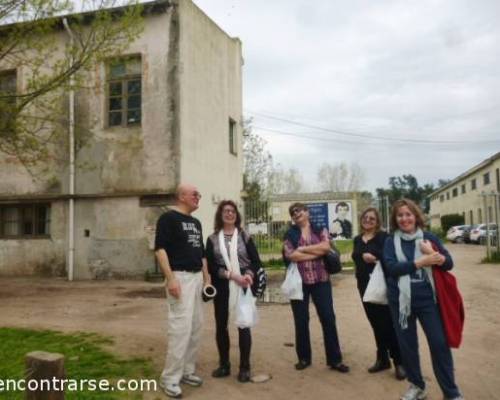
point(34, 117)
point(340, 177)
point(257, 163)
point(407, 186)
point(284, 181)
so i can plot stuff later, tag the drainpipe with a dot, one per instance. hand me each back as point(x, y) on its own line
point(71, 228)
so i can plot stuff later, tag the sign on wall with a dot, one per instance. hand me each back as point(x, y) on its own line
point(335, 216)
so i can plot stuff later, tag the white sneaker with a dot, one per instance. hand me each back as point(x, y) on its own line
point(192, 380)
point(171, 390)
point(414, 393)
point(454, 398)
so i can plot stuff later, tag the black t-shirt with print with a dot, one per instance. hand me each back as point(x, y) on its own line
point(181, 237)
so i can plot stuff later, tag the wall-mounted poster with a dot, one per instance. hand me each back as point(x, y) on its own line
point(318, 214)
point(340, 221)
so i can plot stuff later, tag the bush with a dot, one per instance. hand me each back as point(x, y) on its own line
point(494, 258)
point(447, 221)
point(439, 232)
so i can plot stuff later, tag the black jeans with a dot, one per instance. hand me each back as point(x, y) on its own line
point(321, 294)
point(383, 329)
point(221, 309)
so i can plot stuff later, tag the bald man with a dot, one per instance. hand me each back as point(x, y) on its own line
point(181, 255)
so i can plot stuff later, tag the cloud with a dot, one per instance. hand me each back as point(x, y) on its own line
point(424, 69)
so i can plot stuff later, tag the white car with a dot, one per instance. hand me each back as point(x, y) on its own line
point(456, 233)
point(478, 235)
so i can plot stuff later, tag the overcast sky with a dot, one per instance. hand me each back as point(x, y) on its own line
point(425, 71)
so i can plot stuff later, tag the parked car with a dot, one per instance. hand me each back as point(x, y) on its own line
point(456, 233)
point(478, 235)
point(467, 231)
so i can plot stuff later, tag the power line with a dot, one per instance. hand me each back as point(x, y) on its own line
point(307, 135)
point(354, 134)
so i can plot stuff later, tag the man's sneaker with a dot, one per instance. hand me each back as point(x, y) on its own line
point(414, 393)
point(454, 398)
point(171, 390)
point(192, 380)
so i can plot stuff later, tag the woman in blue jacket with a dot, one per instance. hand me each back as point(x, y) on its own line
point(408, 258)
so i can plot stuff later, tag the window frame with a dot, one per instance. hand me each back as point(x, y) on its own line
point(486, 178)
point(124, 94)
point(233, 140)
point(12, 73)
point(473, 184)
point(454, 192)
point(21, 219)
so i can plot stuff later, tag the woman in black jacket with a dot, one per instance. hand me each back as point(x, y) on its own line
point(367, 250)
point(233, 263)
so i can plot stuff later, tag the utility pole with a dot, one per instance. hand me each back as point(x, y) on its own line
point(387, 213)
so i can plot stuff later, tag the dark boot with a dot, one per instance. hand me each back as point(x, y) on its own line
point(399, 372)
point(244, 375)
point(380, 365)
point(222, 371)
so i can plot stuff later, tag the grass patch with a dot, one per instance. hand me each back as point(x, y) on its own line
point(344, 246)
point(85, 358)
point(493, 259)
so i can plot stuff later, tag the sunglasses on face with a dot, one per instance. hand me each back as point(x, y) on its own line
point(297, 211)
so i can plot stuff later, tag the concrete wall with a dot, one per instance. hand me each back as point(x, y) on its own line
point(211, 93)
point(119, 241)
point(37, 256)
point(470, 202)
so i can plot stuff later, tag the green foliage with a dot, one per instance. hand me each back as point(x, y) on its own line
point(493, 259)
point(407, 186)
point(440, 233)
point(34, 114)
point(85, 358)
point(449, 220)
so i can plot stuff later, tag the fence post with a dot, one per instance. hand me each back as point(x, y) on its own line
point(42, 368)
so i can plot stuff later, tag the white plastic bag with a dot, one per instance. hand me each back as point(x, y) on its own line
point(292, 286)
point(246, 310)
point(376, 291)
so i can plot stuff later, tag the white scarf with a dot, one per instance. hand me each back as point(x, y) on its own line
point(232, 265)
point(404, 281)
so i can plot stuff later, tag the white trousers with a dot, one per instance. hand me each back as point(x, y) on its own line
point(184, 327)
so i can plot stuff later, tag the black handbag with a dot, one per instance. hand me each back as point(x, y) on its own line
point(332, 262)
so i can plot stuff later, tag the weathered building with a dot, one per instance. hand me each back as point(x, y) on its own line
point(180, 122)
point(471, 195)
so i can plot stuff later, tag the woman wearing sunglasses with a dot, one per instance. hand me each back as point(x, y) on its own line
point(306, 246)
point(367, 250)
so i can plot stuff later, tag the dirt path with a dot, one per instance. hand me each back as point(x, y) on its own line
point(137, 324)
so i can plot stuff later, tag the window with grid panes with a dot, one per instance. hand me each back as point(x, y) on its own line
point(8, 83)
point(24, 220)
point(124, 91)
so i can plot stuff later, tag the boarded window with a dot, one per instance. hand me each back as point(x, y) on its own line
point(124, 91)
point(24, 220)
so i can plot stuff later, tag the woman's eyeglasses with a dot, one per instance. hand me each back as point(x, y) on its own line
point(368, 219)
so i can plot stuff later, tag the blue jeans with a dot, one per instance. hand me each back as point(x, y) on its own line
point(321, 294)
point(426, 311)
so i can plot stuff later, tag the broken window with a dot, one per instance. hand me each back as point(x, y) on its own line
point(124, 91)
